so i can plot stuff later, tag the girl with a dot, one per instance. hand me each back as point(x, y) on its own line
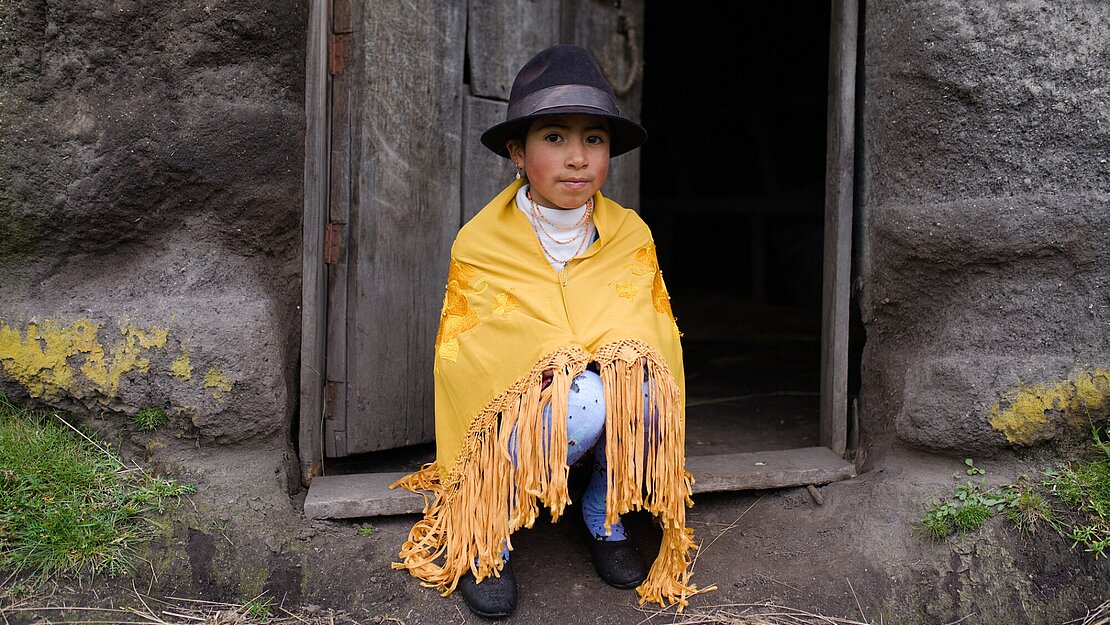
point(556, 339)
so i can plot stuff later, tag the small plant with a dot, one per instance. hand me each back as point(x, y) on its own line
point(971, 516)
point(939, 521)
point(366, 530)
point(1093, 537)
point(1026, 508)
point(257, 608)
point(18, 590)
point(971, 468)
point(966, 510)
point(148, 419)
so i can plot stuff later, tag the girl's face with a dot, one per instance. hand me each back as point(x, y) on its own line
point(566, 158)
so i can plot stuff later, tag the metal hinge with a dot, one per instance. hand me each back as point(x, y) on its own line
point(332, 239)
point(338, 47)
point(329, 401)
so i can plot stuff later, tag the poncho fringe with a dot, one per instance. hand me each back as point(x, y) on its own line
point(485, 498)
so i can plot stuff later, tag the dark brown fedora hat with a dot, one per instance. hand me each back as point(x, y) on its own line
point(563, 80)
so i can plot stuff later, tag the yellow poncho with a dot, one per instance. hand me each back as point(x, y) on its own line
point(507, 317)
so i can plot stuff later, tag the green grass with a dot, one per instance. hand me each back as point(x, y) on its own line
point(1084, 486)
point(1028, 509)
point(966, 510)
point(69, 505)
point(258, 608)
point(1073, 499)
point(149, 419)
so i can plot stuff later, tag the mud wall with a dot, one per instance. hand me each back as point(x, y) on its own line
point(985, 222)
point(151, 163)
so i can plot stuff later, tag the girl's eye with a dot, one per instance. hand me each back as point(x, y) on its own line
point(595, 139)
point(552, 137)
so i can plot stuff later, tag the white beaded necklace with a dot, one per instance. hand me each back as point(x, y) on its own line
point(581, 230)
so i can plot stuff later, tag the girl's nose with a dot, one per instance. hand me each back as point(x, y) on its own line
point(576, 155)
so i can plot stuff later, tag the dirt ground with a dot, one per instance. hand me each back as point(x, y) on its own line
point(854, 556)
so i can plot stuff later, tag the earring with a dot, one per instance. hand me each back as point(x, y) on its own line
point(520, 172)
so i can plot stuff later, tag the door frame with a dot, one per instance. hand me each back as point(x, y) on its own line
point(313, 232)
point(839, 214)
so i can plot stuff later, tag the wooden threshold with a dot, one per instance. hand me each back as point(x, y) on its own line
point(360, 495)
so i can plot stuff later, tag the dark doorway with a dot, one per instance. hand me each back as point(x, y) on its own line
point(735, 104)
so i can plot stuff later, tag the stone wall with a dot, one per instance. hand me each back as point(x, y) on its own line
point(151, 164)
point(985, 223)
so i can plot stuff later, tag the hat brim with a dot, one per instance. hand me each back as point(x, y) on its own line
point(624, 134)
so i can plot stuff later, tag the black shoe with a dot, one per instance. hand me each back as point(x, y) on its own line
point(618, 562)
point(494, 597)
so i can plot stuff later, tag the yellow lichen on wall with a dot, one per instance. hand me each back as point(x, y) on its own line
point(218, 382)
point(1093, 390)
point(1023, 417)
point(182, 367)
point(43, 359)
point(151, 337)
point(126, 355)
point(39, 359)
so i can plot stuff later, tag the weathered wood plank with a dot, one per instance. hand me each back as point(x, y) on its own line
point(337, 443)
point(341, 16)
point(313, 283)
point(614, 34)
point(336, 361)
point(768, 469)
point(502, 36)
point(339, 174)
point(368, 494)
point(485, 174)
point(623, 184)
point(408, 109)
point(839, 172)
point(339, 207)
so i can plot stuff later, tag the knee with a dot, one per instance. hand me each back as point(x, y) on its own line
point(589, 384)
point(587, 400)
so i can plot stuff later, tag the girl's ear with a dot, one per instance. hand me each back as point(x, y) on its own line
point(516, 152)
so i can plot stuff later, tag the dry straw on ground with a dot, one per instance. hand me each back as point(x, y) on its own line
point(180, 611)
point(771, 614)
point(176, 611)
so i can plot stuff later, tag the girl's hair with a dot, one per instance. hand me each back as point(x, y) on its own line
point(520, 133)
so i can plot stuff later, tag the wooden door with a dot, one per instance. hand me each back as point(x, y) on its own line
point(405, 100)
point(398, 95)
point(501, 35)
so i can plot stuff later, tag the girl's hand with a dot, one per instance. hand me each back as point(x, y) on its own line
point(546, 380)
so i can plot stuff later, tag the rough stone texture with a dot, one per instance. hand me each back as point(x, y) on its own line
point(221, 400)
point(151, 159)
point(985, 214)
point(973, 98)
